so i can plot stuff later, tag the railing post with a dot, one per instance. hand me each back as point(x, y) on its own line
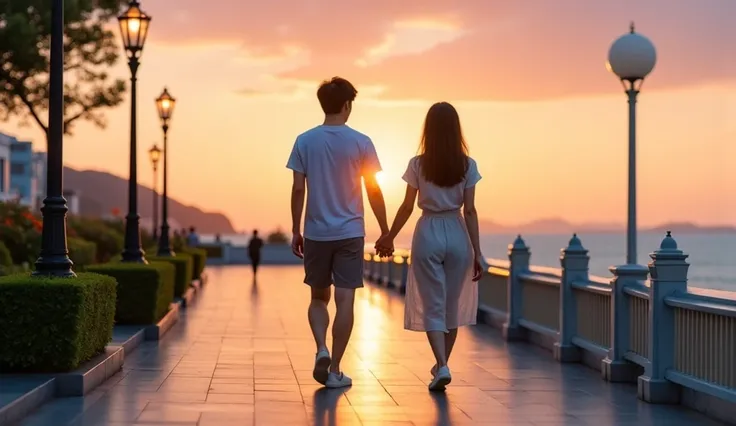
point(391, 273)
point(574, 261)
point(376, 268)
point(226, 255)
point(668, 270)
point(366, 265)
point(519, 258)
point(404, 274)
point(615, 368)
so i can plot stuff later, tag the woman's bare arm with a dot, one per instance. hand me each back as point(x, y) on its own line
point(404, 212)
point(471, 219)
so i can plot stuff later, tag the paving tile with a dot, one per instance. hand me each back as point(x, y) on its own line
point(244, 357)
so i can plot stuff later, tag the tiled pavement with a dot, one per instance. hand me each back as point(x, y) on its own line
point(243, 356)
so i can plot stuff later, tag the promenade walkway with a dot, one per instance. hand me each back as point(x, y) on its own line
point(242, 355)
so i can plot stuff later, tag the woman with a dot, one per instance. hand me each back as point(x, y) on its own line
point(441, 291)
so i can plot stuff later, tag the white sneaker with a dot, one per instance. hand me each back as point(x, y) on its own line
point(321, 366)
point(338, 381)
point(441, 379)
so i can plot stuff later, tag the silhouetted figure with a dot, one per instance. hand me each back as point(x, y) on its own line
point(218, 238)
point(193, 237)
point(254, 251)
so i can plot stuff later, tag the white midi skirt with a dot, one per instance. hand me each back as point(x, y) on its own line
point(440, 292)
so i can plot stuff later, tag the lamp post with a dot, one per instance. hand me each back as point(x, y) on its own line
point(631, 58)
point(133, 29)
point(155, 154)
point(54, 258)
point(165, 105)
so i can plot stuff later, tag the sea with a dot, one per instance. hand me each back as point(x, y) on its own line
point(712, 257)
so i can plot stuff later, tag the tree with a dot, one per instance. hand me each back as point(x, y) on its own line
point(90, 50)
point(277, 237)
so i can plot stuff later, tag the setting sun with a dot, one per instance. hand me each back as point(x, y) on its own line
point(381, 178)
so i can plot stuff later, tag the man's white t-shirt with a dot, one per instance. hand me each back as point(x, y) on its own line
point(334, 159)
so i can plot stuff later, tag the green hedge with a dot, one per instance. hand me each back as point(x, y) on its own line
point(6, 260)
point(214, 251)
point(199, 260)
point(108, 239)
point(54, 324)
point(183, 264)
point(83, 253)
point(144, 291)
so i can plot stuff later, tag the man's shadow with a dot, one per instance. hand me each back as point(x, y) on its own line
point(325, 406)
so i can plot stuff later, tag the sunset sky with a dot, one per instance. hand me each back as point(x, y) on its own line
point(543, 117)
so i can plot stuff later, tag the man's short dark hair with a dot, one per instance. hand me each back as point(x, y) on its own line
point(334, 94)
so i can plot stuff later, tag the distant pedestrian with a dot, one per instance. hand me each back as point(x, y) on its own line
point(193, 237)
point(254, 251)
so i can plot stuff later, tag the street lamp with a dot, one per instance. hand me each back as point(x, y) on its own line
point(133, 29)
point(632, 57)
point(155, 154)
point(165, 105)
point(54, 258)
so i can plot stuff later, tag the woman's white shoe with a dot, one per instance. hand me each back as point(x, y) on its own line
point(441, 379)
point(338, 380)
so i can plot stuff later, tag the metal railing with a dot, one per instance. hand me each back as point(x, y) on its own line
point(623, 324)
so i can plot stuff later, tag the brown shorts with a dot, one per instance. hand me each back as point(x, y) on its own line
point(339, 262)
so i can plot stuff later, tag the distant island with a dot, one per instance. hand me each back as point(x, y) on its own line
point(561, 226)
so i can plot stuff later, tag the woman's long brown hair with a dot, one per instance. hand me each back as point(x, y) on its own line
point(443, 154)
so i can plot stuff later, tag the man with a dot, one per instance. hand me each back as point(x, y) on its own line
point(192, 237)
point(328, 162)
point(254, 252)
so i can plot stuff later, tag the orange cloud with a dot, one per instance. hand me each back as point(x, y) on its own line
point(469, 50)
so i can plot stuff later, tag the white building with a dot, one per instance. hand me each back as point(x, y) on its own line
point(23, 176)
point(5, 142)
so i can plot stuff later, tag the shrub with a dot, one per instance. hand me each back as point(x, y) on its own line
point(199, 260)
point(277, 237)
point(183, 264)
point(108, 239)
point(178, 242)
point(20, 231)
point(5, 258)
point(83, 253)
point(54, 324)
point(6, 261)
point(144, 291)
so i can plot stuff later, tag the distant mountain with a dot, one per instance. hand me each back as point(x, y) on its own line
point(100, 193)
point(561, 226)
point(692, 228)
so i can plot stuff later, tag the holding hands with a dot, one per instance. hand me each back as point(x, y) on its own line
point(385, 246)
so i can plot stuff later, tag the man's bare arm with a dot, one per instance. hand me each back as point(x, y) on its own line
point(375, 198)
point(298, 191)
